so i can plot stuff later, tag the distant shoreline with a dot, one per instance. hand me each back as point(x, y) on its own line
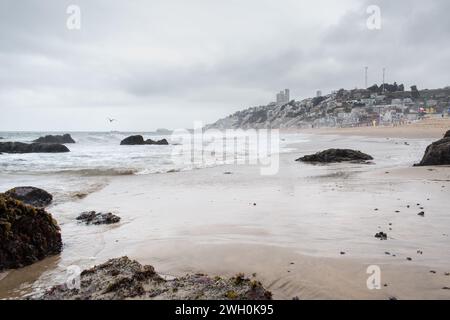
point(428, 128)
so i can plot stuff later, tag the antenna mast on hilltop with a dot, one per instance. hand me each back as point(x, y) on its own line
point(365, 77)
point(384, 76)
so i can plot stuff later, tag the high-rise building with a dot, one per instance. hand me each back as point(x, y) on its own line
point(283, 97)
point(287, 94)
point(319, 93)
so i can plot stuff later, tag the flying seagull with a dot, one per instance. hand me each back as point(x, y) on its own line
point(111, 120)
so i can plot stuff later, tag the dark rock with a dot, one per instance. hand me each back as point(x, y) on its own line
point(422, 214)
point(381, 236)
point(438, 153)
point(122, 278)
point(30, 195)
point(162, 142)
point(139, 140)
point(20, 147)
point(97, 218)
point(447, 134)
point(27, 234)
point(133, 140)
point(336, 155)
point(62, 139)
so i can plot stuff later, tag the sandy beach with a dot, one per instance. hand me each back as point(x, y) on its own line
point(427, 128)
point(306, 232)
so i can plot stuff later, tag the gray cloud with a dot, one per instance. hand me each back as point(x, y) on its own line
point(167, 63)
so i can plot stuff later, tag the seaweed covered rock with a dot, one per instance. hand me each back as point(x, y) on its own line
point(20, 147)
point(27, 234)
point(92, 217)
point(447, 134)
point(336, 155)
point(65, 138)
point(122, 278)
point(438, 153)
point(139, 140)
point(30, 195)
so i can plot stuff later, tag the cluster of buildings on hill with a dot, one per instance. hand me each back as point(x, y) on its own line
point(384, 105)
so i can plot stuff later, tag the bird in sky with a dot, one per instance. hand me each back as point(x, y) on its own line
point(111, 120)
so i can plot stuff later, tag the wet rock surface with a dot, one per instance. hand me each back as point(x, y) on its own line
point(30, 195)
point(27, 234)
point(97, 218)
point(139, 140)
point(20, 147)
point(122, 278)
point(438, 153)
point(336, 155)
point(447, 134)
point(66, 138)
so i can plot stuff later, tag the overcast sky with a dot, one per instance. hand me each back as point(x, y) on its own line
point(154, 63)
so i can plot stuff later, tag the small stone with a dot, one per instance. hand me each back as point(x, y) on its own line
point(97, 218)
point(381, 236)
point(409, 259)
point(422, 214)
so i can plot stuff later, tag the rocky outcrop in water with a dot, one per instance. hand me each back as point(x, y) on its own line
point(122, 278)
point(20, 147)
point(30, 195)
point(66, 138)
point(139, 140)
point(336, 155)
point(27, 234)
point(98, 218)
point(162, 142)
point(438, 153)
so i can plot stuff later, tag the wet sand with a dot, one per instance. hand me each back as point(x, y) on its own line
point(289, 228)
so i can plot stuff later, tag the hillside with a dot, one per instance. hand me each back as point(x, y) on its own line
point(344, 108)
